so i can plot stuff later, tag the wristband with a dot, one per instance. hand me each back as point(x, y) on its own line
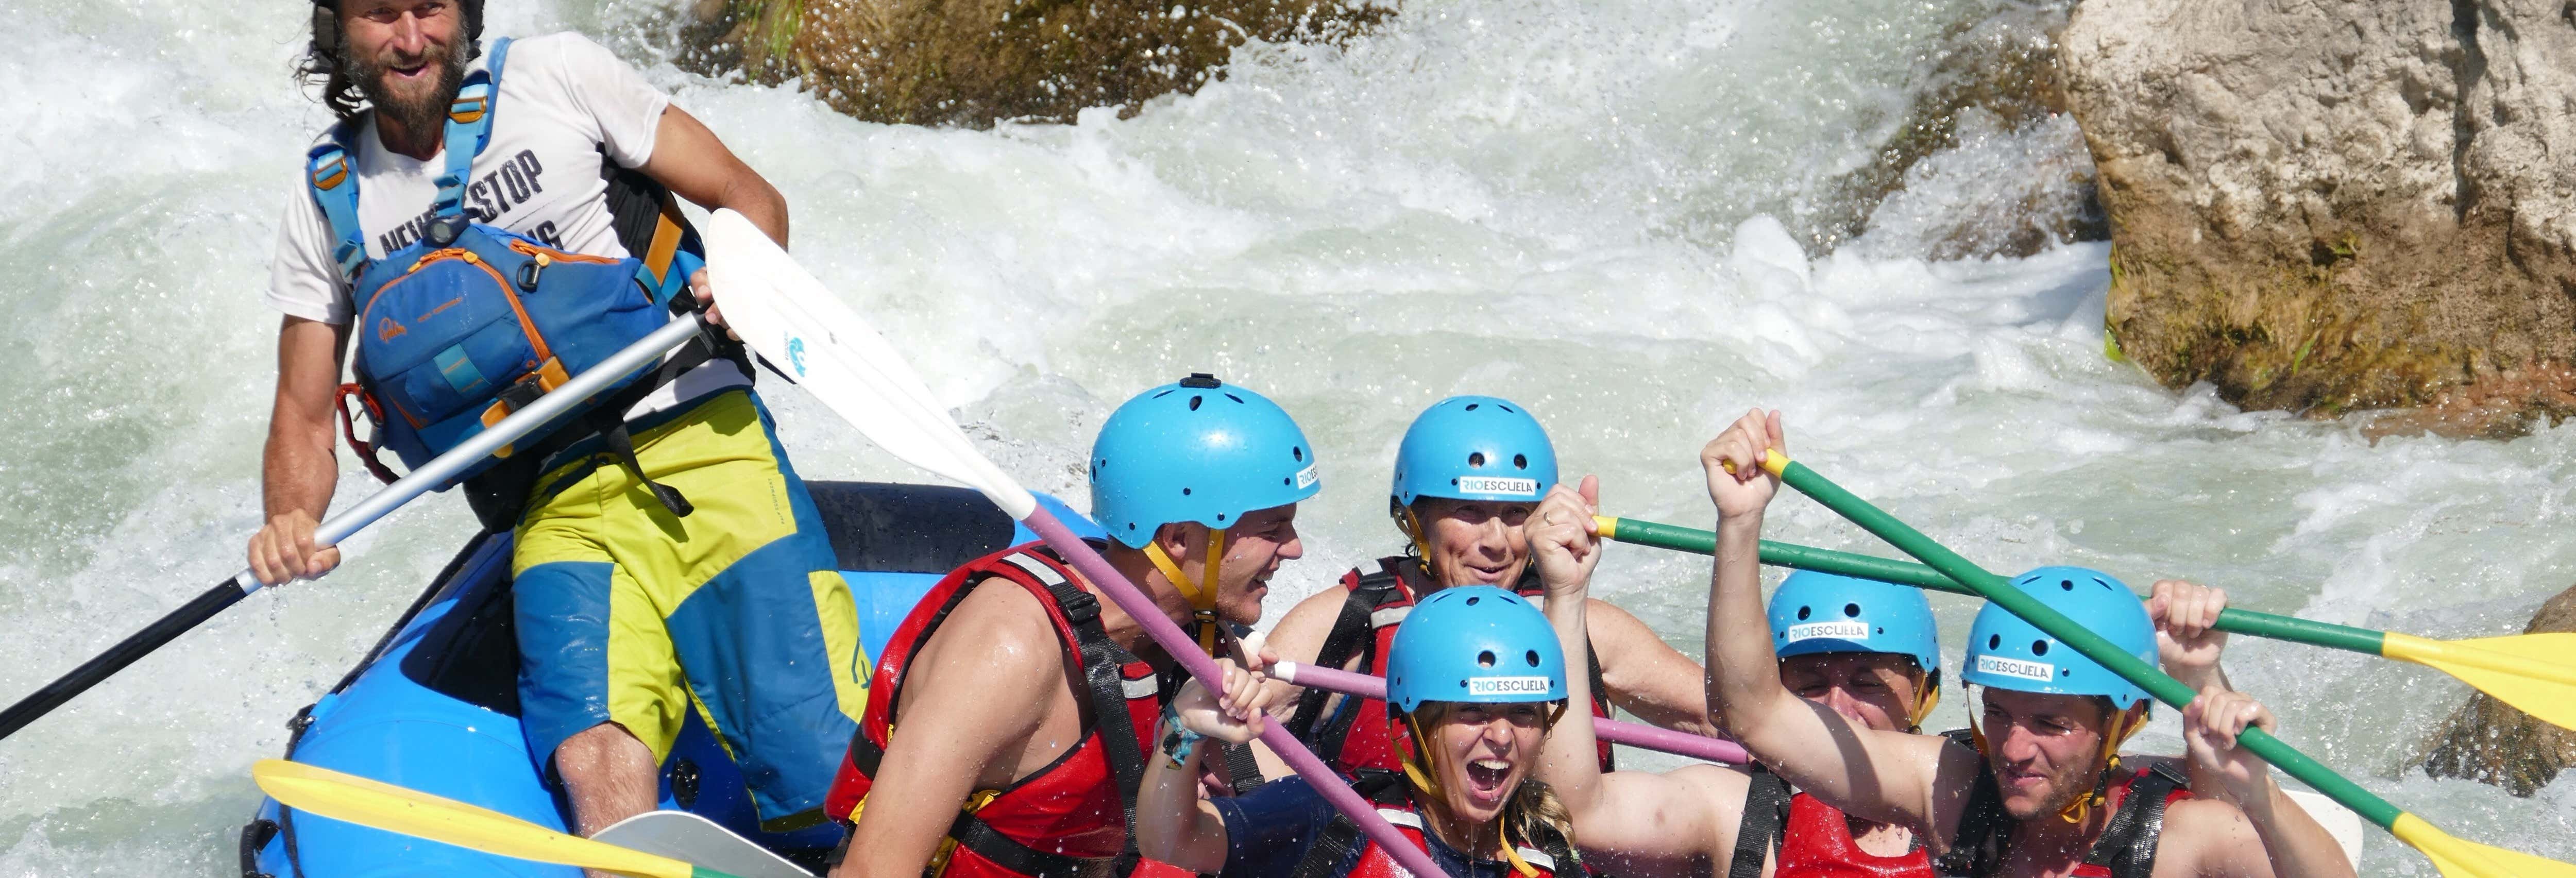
point(1179, 742)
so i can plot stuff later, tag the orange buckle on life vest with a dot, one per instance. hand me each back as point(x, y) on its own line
point(329, 176)
point(548, 376)
point(467, 111)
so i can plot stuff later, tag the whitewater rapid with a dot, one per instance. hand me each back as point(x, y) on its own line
point(1572, 203)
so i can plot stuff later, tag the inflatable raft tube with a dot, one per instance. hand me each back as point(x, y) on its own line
point(434, 706)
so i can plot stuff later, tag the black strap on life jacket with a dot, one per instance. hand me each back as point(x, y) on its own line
point(2127, 846)
point(1352, 637)
point(1766, 813)
point(1333, 846)
point(1977, 848)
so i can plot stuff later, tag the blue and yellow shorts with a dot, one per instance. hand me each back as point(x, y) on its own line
point(627, 614)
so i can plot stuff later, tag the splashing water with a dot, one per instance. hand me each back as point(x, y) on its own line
point(1567, 202)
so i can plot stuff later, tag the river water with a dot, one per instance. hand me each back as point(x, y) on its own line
point(1594, 207)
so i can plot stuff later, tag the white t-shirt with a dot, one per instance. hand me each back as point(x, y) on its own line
point(564, 102)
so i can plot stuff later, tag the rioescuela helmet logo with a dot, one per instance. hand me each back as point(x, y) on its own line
point(1836, 630)
point(386, 329)
point(1494, 485)
point(796, 355)
point(2013, 667)
point(1484, 686)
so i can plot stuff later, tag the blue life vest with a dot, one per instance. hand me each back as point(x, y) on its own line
point(474, 321)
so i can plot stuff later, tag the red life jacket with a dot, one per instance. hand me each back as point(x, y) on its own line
point(1069, 818)
point(1807, 838)
point(1394, 801)
point(2125, 849)
point(1358, 734)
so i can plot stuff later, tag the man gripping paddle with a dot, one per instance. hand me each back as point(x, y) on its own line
point(2035, 791)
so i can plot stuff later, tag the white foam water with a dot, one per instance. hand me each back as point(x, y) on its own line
point(1565, 202)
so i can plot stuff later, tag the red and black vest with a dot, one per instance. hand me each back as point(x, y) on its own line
point(1394, 801)
point(1070, 818)
point(1812, 840)
point(1809, 839)
point(1357, 735)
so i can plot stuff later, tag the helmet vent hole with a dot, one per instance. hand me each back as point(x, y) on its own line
point(2068, 672)
point(1237, 399)
point(1851, 611)
point(1472, 406)
point(1485, 659)
point(1531, 657)
point(1994, 641)
point(1220, 516)
point(1195, 400)
point(1520, 461)
point(2066, 585)
point(1284, 480)
point(2039, 647)
point(1472, 601)
point(1882, 629)
point(1804, 612)
point(1297, 452)
point(2098, 581)
point(1507, 408)
point(1185, 492)
point(1476, 458)
point(1163, 394)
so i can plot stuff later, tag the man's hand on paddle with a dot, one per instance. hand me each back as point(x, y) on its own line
point(1736, 480)
point(283, 550)
point(2210, 724)
point(2187, 639)
point(1237, 717)
point(1560, 537)
point(706, 293)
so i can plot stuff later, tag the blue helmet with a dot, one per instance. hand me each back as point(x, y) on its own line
point(1822, 612)
point(2006, 652)
point(1476, 644)
point(1196, 450)
point(1474, 448)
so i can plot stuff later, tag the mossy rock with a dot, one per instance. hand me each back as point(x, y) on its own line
point(2491, 743)
point(976, 62)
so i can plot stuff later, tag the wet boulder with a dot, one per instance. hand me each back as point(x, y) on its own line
point(2491, 743)
point(2326, 206)
point(976, 62)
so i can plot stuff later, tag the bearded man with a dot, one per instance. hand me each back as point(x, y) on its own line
point(667, 558)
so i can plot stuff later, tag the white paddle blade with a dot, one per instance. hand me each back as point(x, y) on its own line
point(698, 841)
point(792, 320)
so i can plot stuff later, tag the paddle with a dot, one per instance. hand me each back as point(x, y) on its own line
point(2453, 856)
point(789, 317)
point(2536, 673)
point(356, 518)
point(381, 805)
point(1614, 731)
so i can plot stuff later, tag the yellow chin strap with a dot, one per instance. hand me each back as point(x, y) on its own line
point(1923, 705)
point(2119, 732)
point(1412, 528)
point(1201, 595)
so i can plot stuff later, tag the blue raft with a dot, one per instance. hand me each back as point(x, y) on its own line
point(434, 706)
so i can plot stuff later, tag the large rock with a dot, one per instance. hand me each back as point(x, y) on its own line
point(975, 62)
point(2491, 743)
point(2334, 204)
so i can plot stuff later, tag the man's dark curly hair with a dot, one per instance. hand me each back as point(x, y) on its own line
point(324, 64)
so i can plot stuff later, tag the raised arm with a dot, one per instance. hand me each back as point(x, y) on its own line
point(1646, 676)
point(1173, 823)
point(2188, 646)
point(993, 667)
point(2285, 840)
point(1888, 777)
point(298, 468)
point(1680, 823)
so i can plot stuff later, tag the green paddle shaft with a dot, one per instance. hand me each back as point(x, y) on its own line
point(1994, 588)
point(2246, 622)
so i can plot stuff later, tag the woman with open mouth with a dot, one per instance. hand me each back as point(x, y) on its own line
point(1474, 681)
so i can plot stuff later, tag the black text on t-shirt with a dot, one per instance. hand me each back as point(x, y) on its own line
point(506, 187)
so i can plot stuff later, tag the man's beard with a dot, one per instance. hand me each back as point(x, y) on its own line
point(417, 118)
point(2069, 784)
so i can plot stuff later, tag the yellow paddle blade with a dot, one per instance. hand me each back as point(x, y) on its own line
point(395, 809)
point(2468, 859)
point(2536, 673)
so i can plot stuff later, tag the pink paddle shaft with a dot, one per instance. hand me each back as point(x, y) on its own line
point(1186, 651)
point(1614, 731)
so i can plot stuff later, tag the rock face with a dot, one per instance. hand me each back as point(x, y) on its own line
point(2490, 743)
point(2335, 204)
point(975, 62)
